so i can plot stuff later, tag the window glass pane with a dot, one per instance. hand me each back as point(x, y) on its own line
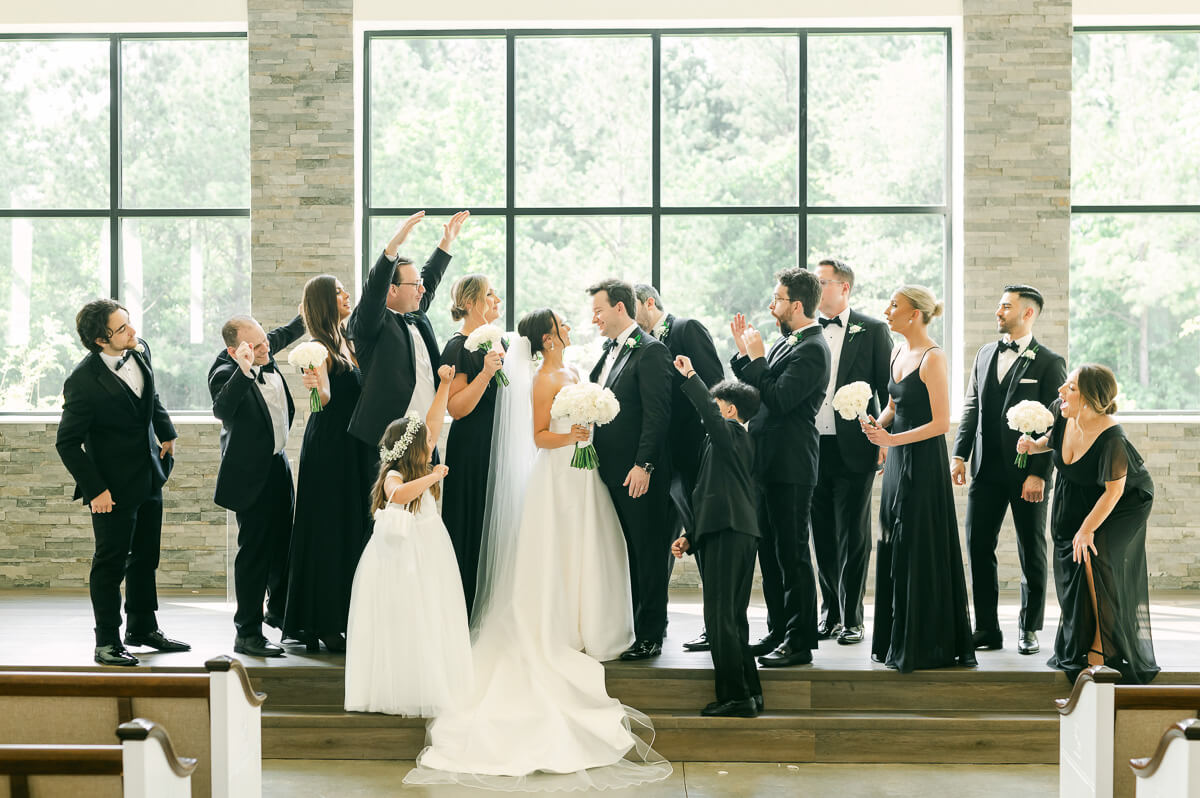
point(1135, 132)
point(877, 119)
point(54, 118)
point(1135, 305)
point(715, 266)
point(479, 249)
point(185, 124)
point(181, 279)
point(558, 258)
point(48, 269)
point(437, 122)
point(583, 122)
point(730, 120)
point(886, 253)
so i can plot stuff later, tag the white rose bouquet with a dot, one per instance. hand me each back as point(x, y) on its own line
point(484, 339)
point(307, 356)
point(585, 403)
point(851, 400)
point(1029, 418)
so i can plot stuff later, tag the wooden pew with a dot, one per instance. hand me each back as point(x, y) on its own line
point(213, 717)
point(1103, 725)
point(143, 765)
point(1174, 770)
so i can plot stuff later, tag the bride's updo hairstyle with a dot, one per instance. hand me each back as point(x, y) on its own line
point(536, 326)
point(413, 462)
point(922, 299)
point(468, 290)
point(1098, 387)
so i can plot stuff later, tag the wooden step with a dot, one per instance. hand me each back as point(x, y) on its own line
point(775, 736)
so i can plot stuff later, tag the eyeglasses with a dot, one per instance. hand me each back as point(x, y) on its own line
point(779, 299)
point(417, 284)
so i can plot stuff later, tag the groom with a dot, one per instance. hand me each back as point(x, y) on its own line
point(634, 461)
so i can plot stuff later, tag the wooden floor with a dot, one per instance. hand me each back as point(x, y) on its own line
point(843, 708)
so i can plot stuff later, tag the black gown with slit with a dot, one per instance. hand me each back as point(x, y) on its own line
point(468, 447)
point(1119, 565)
point(921, 615)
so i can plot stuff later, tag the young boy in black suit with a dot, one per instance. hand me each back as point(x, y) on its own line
point(726, 529)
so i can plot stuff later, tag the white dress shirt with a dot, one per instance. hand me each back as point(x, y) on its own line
point(1006, 359)
point(835, 336)
point(272, 390)
point(611, 357)
point(425, 388)
point(130, 373)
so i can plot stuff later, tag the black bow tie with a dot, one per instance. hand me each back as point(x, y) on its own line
point(262, 370)
point(124, 359)
point(835, 320)
point(408, 318)
point(609, 345)
point(1009, 345)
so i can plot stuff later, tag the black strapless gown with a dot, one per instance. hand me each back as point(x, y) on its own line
point(921, 616)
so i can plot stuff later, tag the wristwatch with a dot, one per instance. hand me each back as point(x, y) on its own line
point(647, 467)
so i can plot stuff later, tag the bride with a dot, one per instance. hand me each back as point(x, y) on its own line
point(553, 601)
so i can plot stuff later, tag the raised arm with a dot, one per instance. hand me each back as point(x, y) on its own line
point(230, 382)
point(703, 355)
point(282, 337)
point(710, 416)
point(372, 305)
point(435, 268)
point(437, 411)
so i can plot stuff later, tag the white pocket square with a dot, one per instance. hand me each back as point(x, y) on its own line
point(1024, 381)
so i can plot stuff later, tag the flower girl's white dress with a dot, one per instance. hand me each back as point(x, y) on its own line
point(408, 649)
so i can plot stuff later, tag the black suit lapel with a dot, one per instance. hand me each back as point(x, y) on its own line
point(147, 402)
point(849, 350)
point(113, 384)
point(622, 358)
point(779, 350)
point(985, 370)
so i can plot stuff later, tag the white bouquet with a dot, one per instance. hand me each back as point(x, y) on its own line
point(308, 356)
point(851, 400)
point(585, 403)
point(484, 339)
point(1029, 418)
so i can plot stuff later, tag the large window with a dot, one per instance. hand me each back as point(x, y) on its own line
point(124, 172)
point(1135, 214)
point(700, 161)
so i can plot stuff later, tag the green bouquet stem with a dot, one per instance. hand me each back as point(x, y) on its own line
point(501, 379)
point(314, 401)
point(585, 457)
point(1022, 458)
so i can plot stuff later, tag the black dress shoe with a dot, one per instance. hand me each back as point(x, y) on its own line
point(765, 645)
point(335, 643)
point(156, 640)
point(741, 708)
point(699, 644)
point(270, 619)
point(257, 646)
point(1028, 643)
point(851, 635)
point(642, 649)
point(826, 631)
point(988, 641)
point(785, 656)
point(758, 702)
point(114, 654)
point(876, 658)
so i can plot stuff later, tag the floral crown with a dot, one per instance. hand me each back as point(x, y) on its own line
point(410, 430)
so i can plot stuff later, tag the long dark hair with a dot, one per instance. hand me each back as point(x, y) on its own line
point(412, 464)
point(536, 325)
point(320, 311)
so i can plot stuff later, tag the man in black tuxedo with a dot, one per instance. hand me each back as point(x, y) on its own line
point(791, 382)
point(726, 528)
point(1014, 369)
point(634, 460)
point(116, 439)
point(255, 479)
point(691, 339)
point(860, 351)
point(393, 338)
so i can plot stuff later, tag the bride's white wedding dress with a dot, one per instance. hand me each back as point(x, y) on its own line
point(539, 717)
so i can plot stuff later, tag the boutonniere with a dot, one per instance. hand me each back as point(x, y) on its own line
point(140, 348)
point(1030, 353)
point(662, 330)
point(795, 338)
point(633, 341)
point(853, 330)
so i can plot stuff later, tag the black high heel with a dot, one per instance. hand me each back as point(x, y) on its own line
point(335, 643)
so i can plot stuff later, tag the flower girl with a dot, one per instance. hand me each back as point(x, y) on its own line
point(408, 649)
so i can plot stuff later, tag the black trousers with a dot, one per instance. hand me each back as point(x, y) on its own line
point(788, 582)
point(679, 511)
point(648, 539)
point(127, 547)
point(264, 536)
point(728, 573)
point(988, 499)
point(841, 534)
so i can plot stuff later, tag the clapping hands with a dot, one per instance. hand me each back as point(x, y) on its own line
point(748, 340)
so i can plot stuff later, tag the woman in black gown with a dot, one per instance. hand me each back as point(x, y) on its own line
point(921, 617)
point(1102, 500)
point(334, 480)
point(472, 405)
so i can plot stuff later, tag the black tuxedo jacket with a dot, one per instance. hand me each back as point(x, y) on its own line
point(866, 357)
point(791, 381)
point(383, 346)
point(1037, 379)
point(247, 435)
point(106, 437)
point(641, 381)
point(689, 337)
point(724, 497)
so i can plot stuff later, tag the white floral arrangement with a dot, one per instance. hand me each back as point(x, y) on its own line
point(306, 357)
point(854, 330)
point(852, 399)
point(400, 446)
point(1030, 353)
point(140, 348)
point(485, 338)
point(585, 403)
point(1029, 418)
